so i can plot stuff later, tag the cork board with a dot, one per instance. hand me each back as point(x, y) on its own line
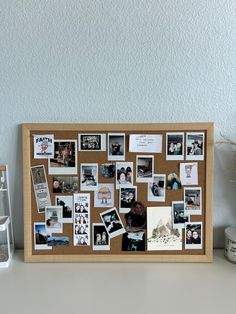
point(73, 253)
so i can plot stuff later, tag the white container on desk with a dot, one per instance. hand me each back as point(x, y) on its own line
point(230, 244)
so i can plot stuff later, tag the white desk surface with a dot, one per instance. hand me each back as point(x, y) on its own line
point(118, 288)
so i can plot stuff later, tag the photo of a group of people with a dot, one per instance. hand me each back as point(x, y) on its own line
point(114, 184)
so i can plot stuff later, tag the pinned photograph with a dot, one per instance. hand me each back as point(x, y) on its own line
point(116, 146)
point(82, 229)
point(175, 146)
point(41, 190)
point(67, 207)
point(81, 240)
point(160, 233)
point(124, 173)
point(189, 173)
point(53, 219)
point(58, 241)
point(65, 184)
point(145, 143)
point(64, 160)
point(112, 222)
point(136, 218)
point(101, 240)
point(193, 201)
point(104, 195)
point(88, 177)
point(127, 196)
point(3, 181)
point(40, 236)
point(92, 142)
point(133, 241)
point(157, 188)
point(173, 182)
point(179, 215)
point(193, 235)
point(82, 203)
point(108, 170)
point(82, 219)
point(144, 168)
point(43, 146)
point(195, 146)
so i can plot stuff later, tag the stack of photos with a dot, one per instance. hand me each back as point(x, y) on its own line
point(41, 190)
point(92, 142)
point(104, 195)
point(64, 160)
point(157, 188)
point(81, 219)
point(193, 235)
point(88, 177)
point(116, 146)
point(112, 222)
point(101, 239)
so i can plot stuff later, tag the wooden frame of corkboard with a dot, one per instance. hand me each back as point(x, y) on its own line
point(71, 131)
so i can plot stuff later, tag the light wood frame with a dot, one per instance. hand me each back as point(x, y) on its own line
point(136, 128)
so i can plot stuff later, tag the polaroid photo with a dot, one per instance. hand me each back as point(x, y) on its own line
point(82, 203)
point(88, 177)
point(179, 215)
point(133, 241)
point(101, 239)
point(67, 207)
point(189, 173)
point(40, 236)
point(175, 146)
point(104, 195)
point(193, 200)
point(95, 142)
point(108, 170)
point(144, 168)
point(43, 146)
point(160, 233)
point(81, 240)
point(173, 182)
point(81, 219)
point(65, 184)
point(127, 197)
point(41, 191)
point(116, 146)
point(53, 219)
point(193, 235)
point(112, 222)
point(157, 188)
point(195, 146)
point(64, 160)
point(124, 174)
point(58, 241)
point(3, 181)
point(145, 143)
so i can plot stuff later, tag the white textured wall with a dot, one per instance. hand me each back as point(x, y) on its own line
point(119, 61)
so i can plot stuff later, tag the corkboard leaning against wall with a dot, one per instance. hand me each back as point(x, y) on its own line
point(171, 209)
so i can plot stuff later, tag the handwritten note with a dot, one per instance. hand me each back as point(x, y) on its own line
point(145, 143)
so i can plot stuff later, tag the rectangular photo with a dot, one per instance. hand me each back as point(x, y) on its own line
point(108, 170)
point(116, 146)
point(53, 219)
point(112, 222)
point(189, 173)
point(133, 241)
point(67, 207)
point(81, 228)
point(175, 146)
point(179, 215)
point(3, 181)
point(101, 240)
point(145, 143)
point(40, 236)
point(43, 146)
point(88, 177)
point(41, 191)
point(144, 168)
point(195, 146)
point(92, 142)
point(82, 203)
point(127, 196)
point(58, 241)
point(193, 235)
point(193, 200)
point(124, 173)
point(104, 195)
point(160, 233)
point(65, 184)
point(157, 188)
point(64, 160)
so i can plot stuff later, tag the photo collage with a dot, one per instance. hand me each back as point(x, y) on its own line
point(132, 193)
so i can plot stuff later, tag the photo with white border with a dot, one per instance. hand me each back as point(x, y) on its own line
point(116, 146)
point(157, 188)
point(40, 236)
point(88, 177)
point(127, 196)
point(144, 168)
point(193, 200)
point(189, 173)
point(112, 222)
point(53, 219)
point(124, 173)
point(92, 142)
point(104, 195)
point(175, 146)
point(67, 207)
point(195, 146)
point(101, 239)
point(179, 215)
point(193, 235)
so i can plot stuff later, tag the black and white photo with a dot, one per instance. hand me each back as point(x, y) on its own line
point(127, 196)
point(195, 146)
point(43, 146)
point(101, 239)
point(116, 146)
point(81, 226)
point(112, 222)
point(175, 146)
point(144, 168)
point(193, 235)
point(53, 219)
point(92, 142)
point(88, 177)
point(67, 207)
point(157, 188)
point(179, 215)
point(193, 200)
